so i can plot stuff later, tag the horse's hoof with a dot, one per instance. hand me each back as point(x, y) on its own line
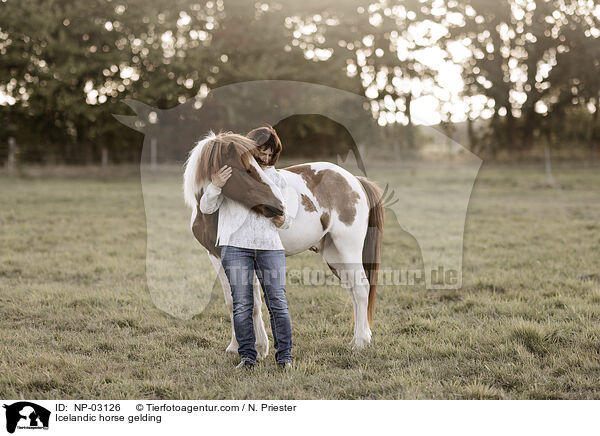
point(359, 343)
point(262, 350)
point(232, 348)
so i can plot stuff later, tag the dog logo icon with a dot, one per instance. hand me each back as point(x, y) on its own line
point(26, 415)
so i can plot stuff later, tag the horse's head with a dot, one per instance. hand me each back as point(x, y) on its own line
point(248, 183)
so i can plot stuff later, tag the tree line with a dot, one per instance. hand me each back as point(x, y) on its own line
point(531, 68)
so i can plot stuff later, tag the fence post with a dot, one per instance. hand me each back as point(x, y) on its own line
point(550, 182)
point(12, 151)
point(153, 153)
point(104, 157)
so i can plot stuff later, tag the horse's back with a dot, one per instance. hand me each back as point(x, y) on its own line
point(323, 197)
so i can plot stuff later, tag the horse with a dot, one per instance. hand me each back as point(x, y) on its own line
point(338, 215)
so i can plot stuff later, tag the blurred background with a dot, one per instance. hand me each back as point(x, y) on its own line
point(508, 79)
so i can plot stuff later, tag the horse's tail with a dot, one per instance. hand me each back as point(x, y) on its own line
point(372, 247)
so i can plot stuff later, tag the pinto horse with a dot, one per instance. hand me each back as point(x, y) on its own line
point(336, 214)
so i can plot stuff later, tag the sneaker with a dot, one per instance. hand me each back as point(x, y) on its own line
point(285, 365)
point(246, 363)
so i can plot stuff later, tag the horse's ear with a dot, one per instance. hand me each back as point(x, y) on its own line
point(230, 150)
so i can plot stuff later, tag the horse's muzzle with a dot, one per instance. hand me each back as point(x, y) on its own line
point(271, 211)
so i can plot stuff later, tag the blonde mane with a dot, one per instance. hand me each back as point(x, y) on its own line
point(211, 157)
point(207, 157)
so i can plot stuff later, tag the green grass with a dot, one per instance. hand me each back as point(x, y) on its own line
point(77, 319)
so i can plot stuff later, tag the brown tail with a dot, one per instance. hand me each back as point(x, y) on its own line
point(372, 246)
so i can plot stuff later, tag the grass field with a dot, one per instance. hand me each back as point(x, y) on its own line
point(77, 320)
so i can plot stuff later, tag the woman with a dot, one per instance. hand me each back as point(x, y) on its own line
point(255, 247)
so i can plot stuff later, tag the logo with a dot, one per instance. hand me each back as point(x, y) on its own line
point(26, 415)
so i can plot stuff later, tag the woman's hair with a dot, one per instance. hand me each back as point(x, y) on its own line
point(267, 139)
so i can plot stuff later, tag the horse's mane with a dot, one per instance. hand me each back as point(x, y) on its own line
point(213, 151)
point(207, 157)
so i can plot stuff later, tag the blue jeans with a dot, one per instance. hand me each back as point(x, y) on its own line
point(269, 265)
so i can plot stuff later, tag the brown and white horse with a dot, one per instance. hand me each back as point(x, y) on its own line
point(336, 214)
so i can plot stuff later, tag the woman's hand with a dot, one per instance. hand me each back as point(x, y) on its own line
point(278, 220)
point(220, 177)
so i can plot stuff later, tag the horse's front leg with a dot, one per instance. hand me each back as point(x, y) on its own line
point(262, 340)
point(233, 345)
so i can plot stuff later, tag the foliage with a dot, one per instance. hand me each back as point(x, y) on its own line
point(65, 66)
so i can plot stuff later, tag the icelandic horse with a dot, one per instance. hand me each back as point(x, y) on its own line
point(338, 215)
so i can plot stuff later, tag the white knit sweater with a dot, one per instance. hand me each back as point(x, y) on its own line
point(241, 227)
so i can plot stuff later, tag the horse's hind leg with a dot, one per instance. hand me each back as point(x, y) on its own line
point(233, 345)
point(262, 340)
point(349, 267)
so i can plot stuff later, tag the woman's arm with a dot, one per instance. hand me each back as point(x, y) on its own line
point(287, 221)
point(211, 199)
point(281, 183)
